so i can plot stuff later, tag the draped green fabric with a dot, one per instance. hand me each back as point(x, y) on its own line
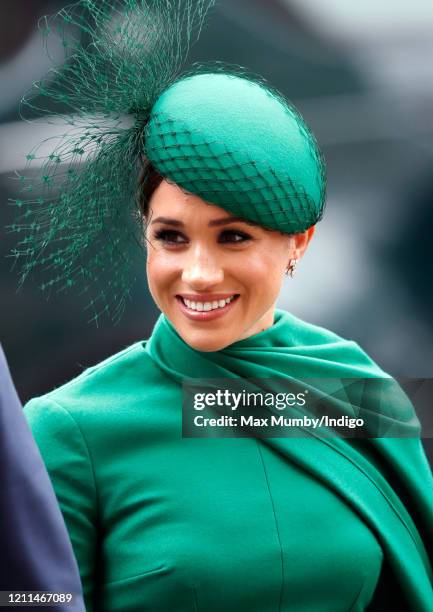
point(162, 522)
point(294, 349)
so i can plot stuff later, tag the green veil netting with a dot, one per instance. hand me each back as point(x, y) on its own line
point(77, 215)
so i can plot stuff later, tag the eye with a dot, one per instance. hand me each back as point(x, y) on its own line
point(233, 236)
point(169, 237)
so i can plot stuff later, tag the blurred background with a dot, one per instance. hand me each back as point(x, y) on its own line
point(361, 74)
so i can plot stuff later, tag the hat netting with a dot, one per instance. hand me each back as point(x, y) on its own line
point(77, 216)
point(237, 143)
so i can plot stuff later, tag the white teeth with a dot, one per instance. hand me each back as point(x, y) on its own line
point(206, 306)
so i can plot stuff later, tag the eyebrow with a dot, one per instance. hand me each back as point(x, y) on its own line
point(213, 223)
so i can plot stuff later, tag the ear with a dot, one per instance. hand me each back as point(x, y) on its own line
point(301, 241)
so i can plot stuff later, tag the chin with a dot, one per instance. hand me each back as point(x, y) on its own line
point(206, 343)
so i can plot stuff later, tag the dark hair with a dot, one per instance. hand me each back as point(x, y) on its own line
point(148, 181)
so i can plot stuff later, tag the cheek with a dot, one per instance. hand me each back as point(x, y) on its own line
point(262, 278)
point(160, 271)
point(263, 274)
point(265, 280)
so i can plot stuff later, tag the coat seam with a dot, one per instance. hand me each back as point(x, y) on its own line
point(276, 527)
point(88, 453)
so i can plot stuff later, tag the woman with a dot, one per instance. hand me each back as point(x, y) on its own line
point(232, 187)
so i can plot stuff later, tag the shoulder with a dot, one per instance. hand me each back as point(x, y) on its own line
point(319, 342)
point(371, 390)
point(308, 334)
point(100, 389)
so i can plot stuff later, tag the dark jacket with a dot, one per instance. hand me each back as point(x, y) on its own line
point(36, 553)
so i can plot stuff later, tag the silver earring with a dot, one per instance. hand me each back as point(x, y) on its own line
point(290, 270)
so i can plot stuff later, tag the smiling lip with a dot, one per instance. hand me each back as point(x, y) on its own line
point(209, 315)
point(205, 297)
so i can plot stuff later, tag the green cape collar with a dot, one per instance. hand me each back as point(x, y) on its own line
point(387, 481)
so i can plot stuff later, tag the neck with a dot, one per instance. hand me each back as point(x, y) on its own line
point(266, 321)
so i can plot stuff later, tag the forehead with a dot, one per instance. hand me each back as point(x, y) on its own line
point(169, 200)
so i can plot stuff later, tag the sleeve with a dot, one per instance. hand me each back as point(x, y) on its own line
point(68, 461)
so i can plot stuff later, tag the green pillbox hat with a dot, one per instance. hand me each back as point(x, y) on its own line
point(239, 145)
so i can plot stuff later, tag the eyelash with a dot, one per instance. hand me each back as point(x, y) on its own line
point(168, 236)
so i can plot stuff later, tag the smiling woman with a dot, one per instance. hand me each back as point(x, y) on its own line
point(230, 193)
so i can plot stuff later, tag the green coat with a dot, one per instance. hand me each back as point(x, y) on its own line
point(164, 523)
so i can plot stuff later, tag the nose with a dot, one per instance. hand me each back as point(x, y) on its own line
point(201, 270)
